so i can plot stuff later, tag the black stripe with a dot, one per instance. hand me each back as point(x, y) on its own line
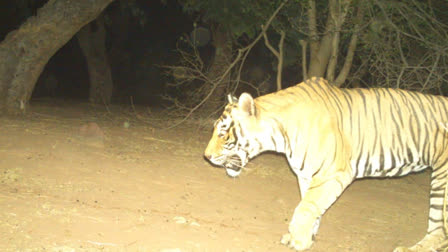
point(394, 95)
point(323, 96)
point(410, 157)
point(393, 161)
point(235, 136)
point(378, 101)
point(303, 89)
point(273, 141)
point(443, 102)
point(318, 169)
point(437, 188)
point(304, 160)
point(440, 151)
point(400, 170)
point(348, 95)
point(436, 207)
point(430, 106)
point(381, 165)
point(437, 195)
point(419, 102)
point(418, 118)
point(413, 133)
point(435, 220)
point(348, 101)
point(376, 140)
point(413, 112)
point(435, 229)
point(331, 92)
point(437, 176)
point(363, 97)
point(315, 91)
point(368, 169)
point(259, 143)
point(425, 151)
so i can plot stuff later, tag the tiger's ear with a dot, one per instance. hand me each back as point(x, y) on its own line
point(231, 99)
point(247, 104)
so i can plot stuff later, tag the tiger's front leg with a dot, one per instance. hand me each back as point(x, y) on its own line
point(322, 193)
point(301, 228)
point(304, 183)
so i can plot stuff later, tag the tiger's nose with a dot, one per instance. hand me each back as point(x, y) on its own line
point(208, 156)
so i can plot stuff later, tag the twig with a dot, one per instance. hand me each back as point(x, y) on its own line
point(304, 44)
point(432, 70)
point(242, 54)
point(278, 54)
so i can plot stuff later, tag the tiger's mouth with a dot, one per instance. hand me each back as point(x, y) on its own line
point(232, 163)
point(233, 170)
point(234, 166)
point(233, 173)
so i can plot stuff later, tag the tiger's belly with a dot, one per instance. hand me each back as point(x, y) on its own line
point(382, 169)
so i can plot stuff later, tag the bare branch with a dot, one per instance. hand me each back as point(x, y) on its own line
point(338, 12)
point(268, 44)
point(312, 26)
point(342, 76)
point(278, 54)
point(400, 49)
point(280, 61)
point(436, 62)
point(242, 55)
point(304, 46)
point(319, 55)
point(390, 22)
point(351, 48)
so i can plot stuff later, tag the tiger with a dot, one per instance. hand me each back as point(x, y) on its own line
point(332, 136)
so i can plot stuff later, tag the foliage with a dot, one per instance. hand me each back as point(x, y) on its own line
point(399, 43)
point(405, 46)
point(135, 10)
point(240, 17)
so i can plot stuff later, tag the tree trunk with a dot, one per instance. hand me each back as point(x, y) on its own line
point(324, 51)
point(338, 12)
point(320, 50)
point(343, 73)
point(222, 59)
point(25, 51)
point(92, 39)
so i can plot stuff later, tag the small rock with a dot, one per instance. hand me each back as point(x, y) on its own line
point(92, 134)
point(91, 129)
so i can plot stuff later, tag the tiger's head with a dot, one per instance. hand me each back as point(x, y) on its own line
point(235, 135)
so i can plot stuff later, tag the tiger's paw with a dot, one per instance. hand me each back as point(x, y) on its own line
point(297, 242)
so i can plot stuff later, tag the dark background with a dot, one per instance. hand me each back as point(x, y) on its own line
point(142, 40)
point(145, 43)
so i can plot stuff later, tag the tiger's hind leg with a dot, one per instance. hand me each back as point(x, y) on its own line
point(435, 238)
point(432, 242)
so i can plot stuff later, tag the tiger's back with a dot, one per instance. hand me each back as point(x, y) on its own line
point(392, 132)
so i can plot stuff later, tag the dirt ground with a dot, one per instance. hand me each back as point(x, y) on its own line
point(131, 185)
